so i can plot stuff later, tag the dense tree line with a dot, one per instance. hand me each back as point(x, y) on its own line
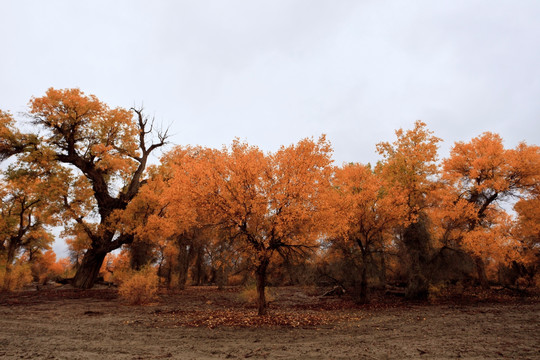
point(229, 215)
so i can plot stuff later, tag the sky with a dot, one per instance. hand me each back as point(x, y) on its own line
point(274, 72)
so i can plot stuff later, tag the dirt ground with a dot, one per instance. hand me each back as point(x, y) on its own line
point(204, 323)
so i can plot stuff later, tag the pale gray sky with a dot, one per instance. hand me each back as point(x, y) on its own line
point(273, 72)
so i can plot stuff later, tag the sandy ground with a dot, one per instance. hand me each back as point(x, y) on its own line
point(203, 323)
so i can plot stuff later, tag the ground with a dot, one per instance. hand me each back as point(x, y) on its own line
point(204, 323)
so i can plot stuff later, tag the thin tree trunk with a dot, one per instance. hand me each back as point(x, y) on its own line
point(182, 266)
point(363, 295)
point(383, 269)
point(199, 263)
point(221, 277)
point(169, 274)
point(261, 285)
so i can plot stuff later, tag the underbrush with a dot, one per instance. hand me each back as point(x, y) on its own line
point(20, 275)
point(250, 296)
point(139, 287)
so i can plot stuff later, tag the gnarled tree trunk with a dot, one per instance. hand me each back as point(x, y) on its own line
point(88, 271)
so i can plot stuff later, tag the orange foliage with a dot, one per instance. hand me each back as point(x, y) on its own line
point(527, 228)
point(364, 205)
point(477, 176)
point(410, 165)
point(252, 206)
point(140, 287)
point(268, 201)
point(364, 208)
point(115, 267)
point(45, 267)
point(108, 135)
point(265, 203)
point(100, 153)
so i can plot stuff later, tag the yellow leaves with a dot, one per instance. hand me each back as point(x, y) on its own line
point(12, 142)
point(477, 176)
point(527, 228)
point(411, 163)
point(7, 127)
point(364, 205)
point(287, 198)
point(77, 197)
point(483, 164)
point(140, 287)
point(495, 243)
point(27, 205)
point(258, 197)
point(78, 243)
point(82, 124)
point(64, 108)
point(479, 163)
point(116, 141)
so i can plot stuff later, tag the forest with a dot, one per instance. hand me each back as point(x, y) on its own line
point(237, 216)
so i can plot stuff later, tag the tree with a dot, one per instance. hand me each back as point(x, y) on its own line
point(27, 207)
point(364, 209)
point(410, 165)
point(527, 228)
point(12, 141)
point(267, 204)
point(108, 147)
point(177, 238)
point(478, 176)
point(526, 231)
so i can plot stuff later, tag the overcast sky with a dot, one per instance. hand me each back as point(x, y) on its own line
point(273, 72)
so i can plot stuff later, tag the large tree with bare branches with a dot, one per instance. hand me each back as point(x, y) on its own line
point(105, 150)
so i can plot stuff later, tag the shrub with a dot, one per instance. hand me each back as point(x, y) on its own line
point(536, 280)
point(236, 280)
point(140, 287)
point(116, 269)
point(436, 291)
point(21, 275)
point(46, 268)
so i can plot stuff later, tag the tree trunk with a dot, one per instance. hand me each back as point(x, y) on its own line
point(141, 254)
point(88, 271)
point(417, 242)
point(481, 271)
point(9, 266)
point(363, 297)
point(221, 277)
point(361, 290)
point(182, 267)
point(260, 273)
point(198, 273)
point(168, 279)
point(382, 276)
